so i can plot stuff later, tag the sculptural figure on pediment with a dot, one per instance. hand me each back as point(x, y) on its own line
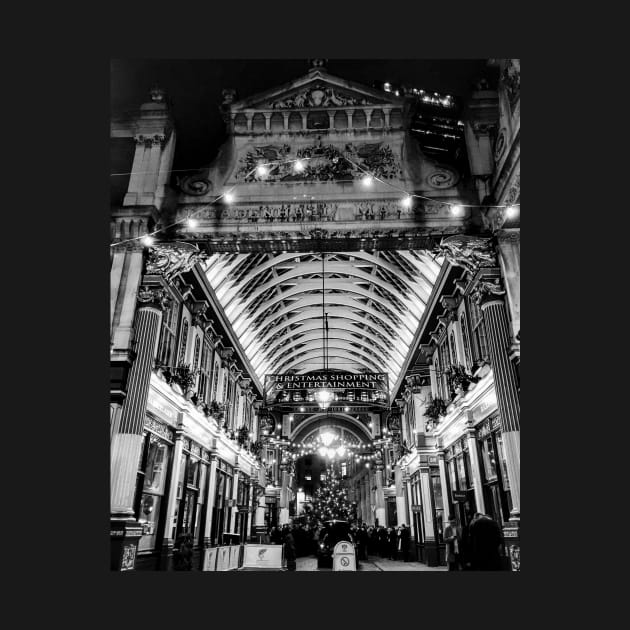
point(469, 252)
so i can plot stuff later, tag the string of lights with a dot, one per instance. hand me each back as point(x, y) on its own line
point(263, 169)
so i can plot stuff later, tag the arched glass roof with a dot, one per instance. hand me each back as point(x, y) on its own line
point(374, 301)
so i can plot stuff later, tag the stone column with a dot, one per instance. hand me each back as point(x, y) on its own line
point(499, 342)
point(430, 539)
point(304, 121)
point(509, 246)
point(259, 517)
point(126, 443)
point(412, 523)
point(349, 113)
point(368, 117)
point(387, 113)
point(250, 117)
point(331, 120)
point(447, 502)
point(172, 500)
point(267, 116)
point(155, 153)
point(380, 496)
point(233, 509)
point(137, 172)
point(285, 116)
point(475, 466)
point(125, 278)
point(210, 498)
point(284, 494)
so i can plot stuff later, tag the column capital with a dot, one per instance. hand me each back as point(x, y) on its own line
point(488, 291)
point(153, 297)
point(171, 259)
point(468, 252)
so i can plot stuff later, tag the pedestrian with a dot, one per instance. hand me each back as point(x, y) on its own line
point(486, 542)
point(275, 536)
point(382, 542)
point(183, 554)
point(405, 539)
point(453, 540)
point(289, 548)
point(392, 540)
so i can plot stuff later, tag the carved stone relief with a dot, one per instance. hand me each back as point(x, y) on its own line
point(318, 95)
point(171, 259)
point(469, 252)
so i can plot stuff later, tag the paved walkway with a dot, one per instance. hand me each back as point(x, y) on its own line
point(374, 563)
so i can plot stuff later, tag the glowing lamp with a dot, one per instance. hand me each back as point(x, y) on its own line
point(511, 212)
point(148, 240)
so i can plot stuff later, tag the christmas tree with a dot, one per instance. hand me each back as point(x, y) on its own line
point(331, 500)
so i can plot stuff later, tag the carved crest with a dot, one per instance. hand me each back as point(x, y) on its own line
point(171, 259)
point(469, 252)
point(318, 95)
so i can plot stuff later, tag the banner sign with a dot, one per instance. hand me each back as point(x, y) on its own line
point(370, 388)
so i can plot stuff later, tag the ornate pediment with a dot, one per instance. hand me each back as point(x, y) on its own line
point(317, 90)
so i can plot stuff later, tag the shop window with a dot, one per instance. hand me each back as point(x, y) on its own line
point(166, 348)
point(196, 353)
point(436, 488)
point(489, 459)
point(151, 485)
point(183, 342)
point(480, 345)
point(454, 360)
point(205, 375)
point(464, 326)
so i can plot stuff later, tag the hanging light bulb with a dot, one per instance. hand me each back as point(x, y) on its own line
point(262, 170)
point(406, 202)
point(192, 223)
point(229, 197)
point(298, 166)
point(367, 181)
point(511, 212)
point(148, 240)
point(457, 210)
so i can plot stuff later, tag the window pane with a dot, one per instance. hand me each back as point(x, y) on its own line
point(148, 518)
point(506, 481)
point(489, 458)
point(155, 471)
point(193, 472)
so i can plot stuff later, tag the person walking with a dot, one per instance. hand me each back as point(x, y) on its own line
point(405, 539)
point(183, 554)
point(289, 548)
point(392, 539)
point(453, 540)
point(486, 542)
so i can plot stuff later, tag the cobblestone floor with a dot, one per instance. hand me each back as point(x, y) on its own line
point(374, 563)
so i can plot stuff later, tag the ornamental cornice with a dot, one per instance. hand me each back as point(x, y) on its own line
point(487, 288)
point(171, 259)
point(468, 252)
point(154, 297)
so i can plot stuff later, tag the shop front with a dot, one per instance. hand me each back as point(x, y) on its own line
point(427, 514)
point(223, 501)
point(496, 489)
point(460, 481)
point(153, 481)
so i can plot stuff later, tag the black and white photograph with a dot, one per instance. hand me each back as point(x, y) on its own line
point(314, 315)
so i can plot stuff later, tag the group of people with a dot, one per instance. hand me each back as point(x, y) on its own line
point(386, 542)
point(477, 547)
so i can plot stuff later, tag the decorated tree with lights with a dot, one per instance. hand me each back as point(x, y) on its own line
point(331, 500)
